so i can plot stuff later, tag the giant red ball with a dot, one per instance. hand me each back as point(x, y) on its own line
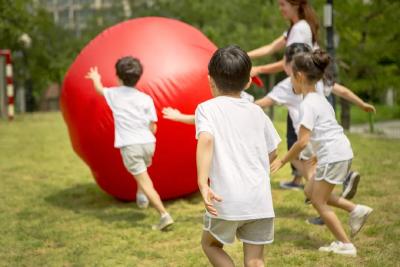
point(175, 57)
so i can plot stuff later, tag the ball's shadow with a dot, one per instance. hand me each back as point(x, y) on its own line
point(88, 199)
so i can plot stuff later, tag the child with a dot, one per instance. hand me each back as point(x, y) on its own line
point(175, 115)
point(135, 125)
point(318, 125)
point(283, 94)
point(236, 141)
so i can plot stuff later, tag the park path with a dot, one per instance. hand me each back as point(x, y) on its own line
point(390, 129)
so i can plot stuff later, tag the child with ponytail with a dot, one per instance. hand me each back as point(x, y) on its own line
point(318, 126)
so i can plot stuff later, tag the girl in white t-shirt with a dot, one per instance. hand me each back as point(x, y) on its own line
point(283, 94)
point(318, 126)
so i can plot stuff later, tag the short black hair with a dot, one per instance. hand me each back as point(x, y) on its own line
point(129, 70)
point(295, 49)
point(230, 68)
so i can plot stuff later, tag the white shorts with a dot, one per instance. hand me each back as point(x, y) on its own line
point(256, 232)
point(137, 157)
point(333, 173)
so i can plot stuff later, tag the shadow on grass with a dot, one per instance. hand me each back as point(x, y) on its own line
point(88, 199)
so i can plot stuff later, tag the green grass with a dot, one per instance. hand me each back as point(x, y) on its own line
point(53, 214)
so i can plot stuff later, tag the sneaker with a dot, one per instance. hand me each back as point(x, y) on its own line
point(291, 185)
point(338, 247)
point(350, 185)
point(165, 221)
point(142, 201)
point(315, 221)
point(358, 217)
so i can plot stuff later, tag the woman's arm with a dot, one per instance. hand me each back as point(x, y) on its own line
point(347, 94)
point(271, 48)
point(269, 68)
point(265, 102)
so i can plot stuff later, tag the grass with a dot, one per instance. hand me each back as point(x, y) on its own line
point(53, 214)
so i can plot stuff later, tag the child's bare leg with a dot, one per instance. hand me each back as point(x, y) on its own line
point(144, 182)
point(340, 202)
point(321, 192)
point(139, 189)
point(253, 255)
point(214, 251)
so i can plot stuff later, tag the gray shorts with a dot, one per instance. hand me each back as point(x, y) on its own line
point(307, 153)
point(137, 157)
point(333, 173)
point(256, 232)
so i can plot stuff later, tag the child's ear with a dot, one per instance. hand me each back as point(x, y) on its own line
point(213, 87)
point(248, 84)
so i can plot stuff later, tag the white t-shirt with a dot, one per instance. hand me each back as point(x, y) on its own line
point(243, 138)
point(283, 94)
point(247, 96)
point(300, 33)
point(327, 137)
point(132, 111)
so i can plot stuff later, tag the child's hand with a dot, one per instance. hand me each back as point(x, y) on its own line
point(93, 74)
point(368, 108)
point(276, 165)
point(209, 197)
point(171, 113)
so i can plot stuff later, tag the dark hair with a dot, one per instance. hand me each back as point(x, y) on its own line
point(307, 13)
point(295, 49)
point(230, 68)
point(313, 64)
point(129, 70)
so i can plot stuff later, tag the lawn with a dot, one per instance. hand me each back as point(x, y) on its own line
point(53, 214)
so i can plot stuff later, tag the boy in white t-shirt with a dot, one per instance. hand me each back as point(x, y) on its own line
point(318, 126)
point(135, 125)
point(236, 142)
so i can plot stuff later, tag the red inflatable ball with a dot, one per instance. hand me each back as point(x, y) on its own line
point(174, 56)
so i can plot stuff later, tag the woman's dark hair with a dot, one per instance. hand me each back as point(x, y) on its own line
point(230, 68)
point(313, 65)
point(307, 13)
point(129, 70)
point(295, 49)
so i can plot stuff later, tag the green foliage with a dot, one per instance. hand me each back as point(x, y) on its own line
point(367, 53)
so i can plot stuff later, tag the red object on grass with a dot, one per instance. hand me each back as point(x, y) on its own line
point(175, 57)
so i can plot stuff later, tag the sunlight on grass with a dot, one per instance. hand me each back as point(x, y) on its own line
point(53, 214)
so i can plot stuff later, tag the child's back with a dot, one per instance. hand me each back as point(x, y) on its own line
point(133, 111)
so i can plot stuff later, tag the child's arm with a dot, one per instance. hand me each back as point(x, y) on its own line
point(266, 69)
point(153, 127)
point(272, 156)
point(302, 141)
point(276, 45)
point(94, 75)
point(204, 153)
point(175, 115)
point(265, 102)
point(347, 94)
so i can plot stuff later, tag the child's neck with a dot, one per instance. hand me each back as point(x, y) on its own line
point(308, 88)
point(234, 95)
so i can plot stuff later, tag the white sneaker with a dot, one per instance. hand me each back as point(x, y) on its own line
point(338, 247)
point(142, 201)
point(165, 221)
point(358, 217)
